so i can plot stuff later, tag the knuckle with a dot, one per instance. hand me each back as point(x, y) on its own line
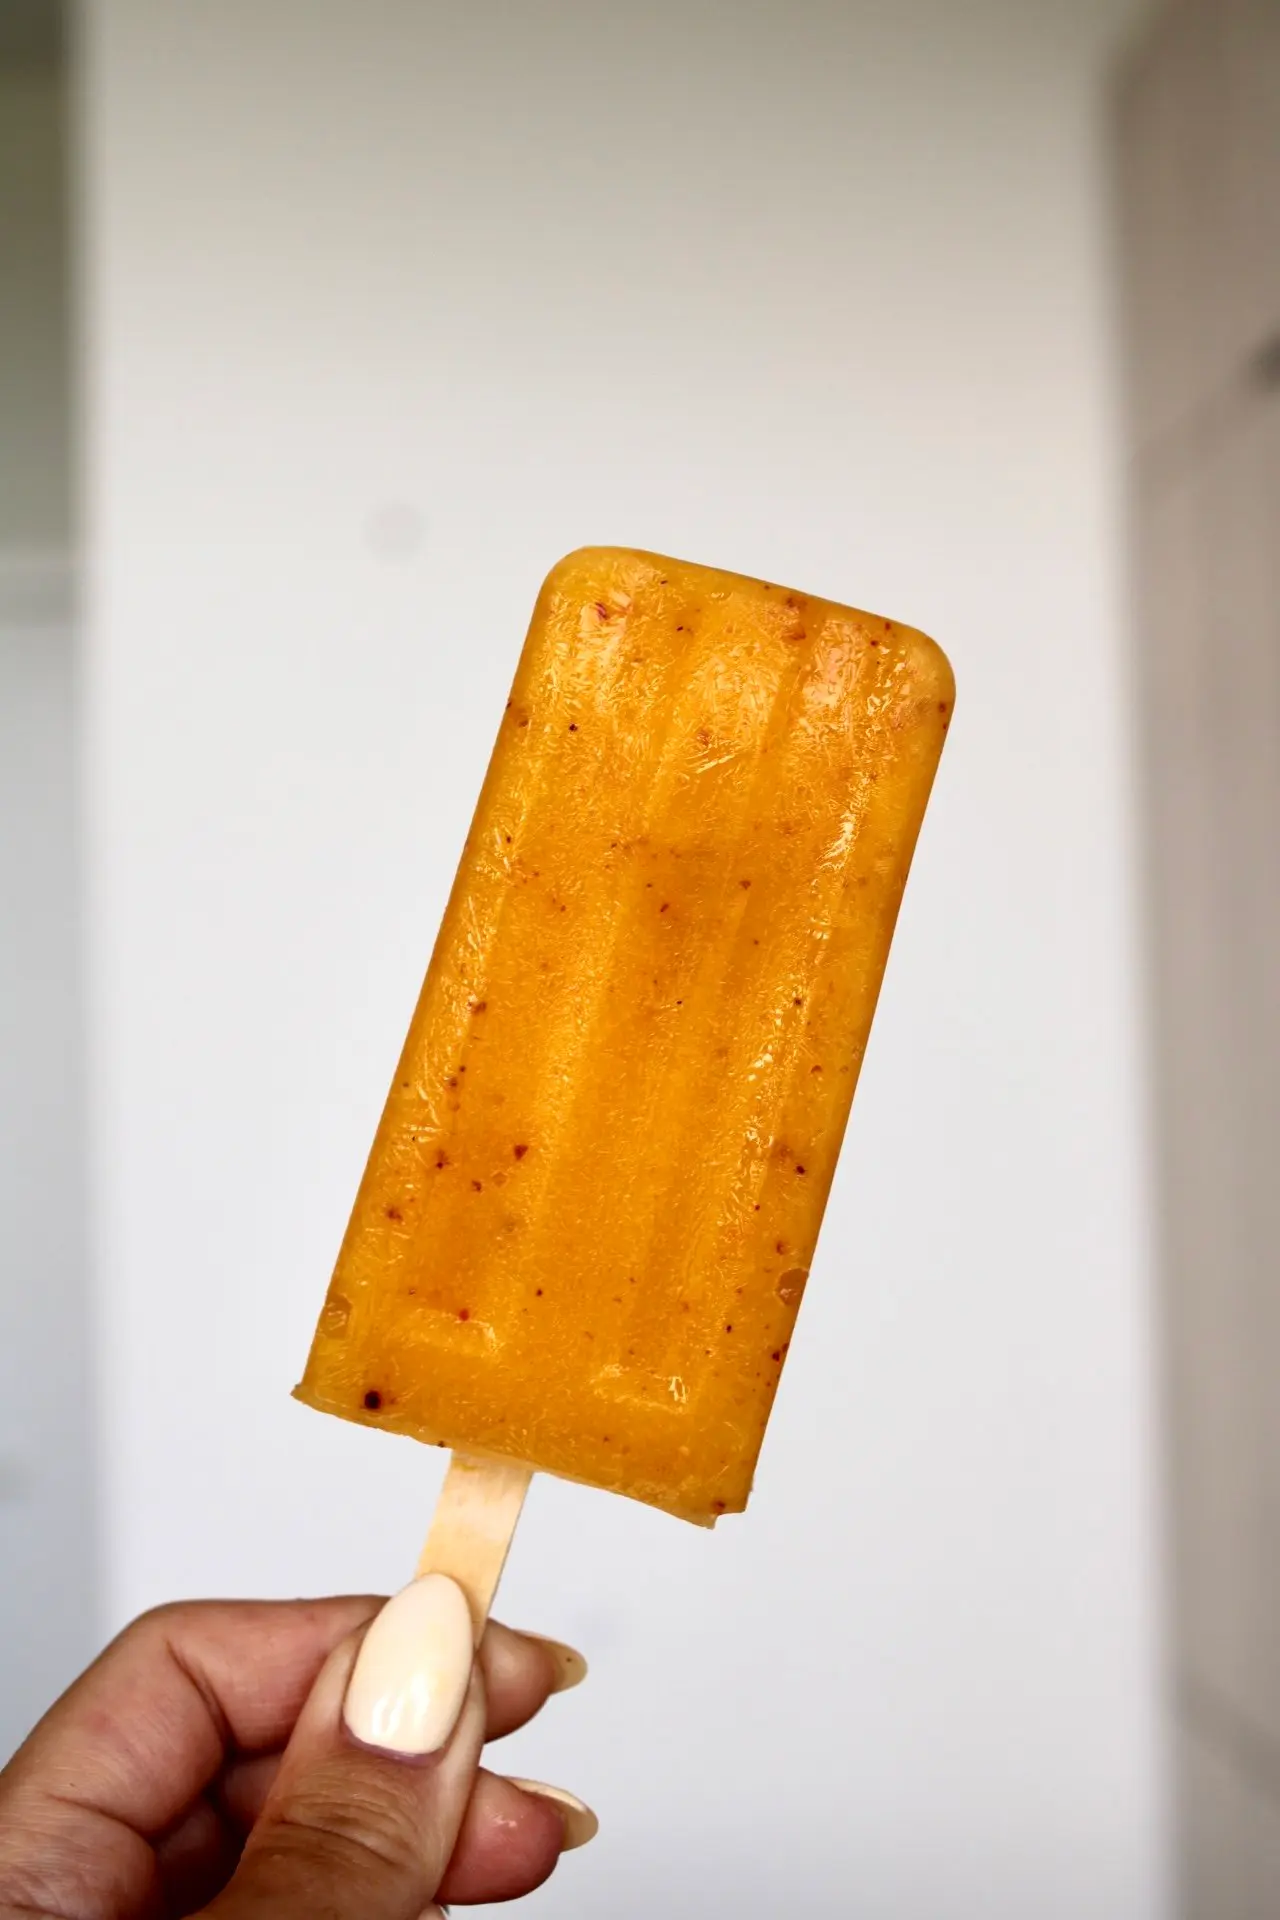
point(356, 1832)
point(157, 1623)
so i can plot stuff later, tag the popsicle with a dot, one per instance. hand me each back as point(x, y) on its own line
point(593, 1200)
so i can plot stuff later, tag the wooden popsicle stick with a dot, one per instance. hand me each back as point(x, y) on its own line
point(471, 1529)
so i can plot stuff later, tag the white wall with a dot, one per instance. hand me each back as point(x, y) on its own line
point(390, 304)
point(49, 1602)
point(47, 1571)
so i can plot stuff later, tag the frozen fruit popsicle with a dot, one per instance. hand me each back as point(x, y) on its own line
point(593, 1200)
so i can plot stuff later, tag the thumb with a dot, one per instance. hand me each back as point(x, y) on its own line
point(365, 1810)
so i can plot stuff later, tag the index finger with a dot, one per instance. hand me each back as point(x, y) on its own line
point(146, 1728)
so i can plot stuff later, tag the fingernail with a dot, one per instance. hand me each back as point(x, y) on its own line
point(580, 1824)
point(570, 1667)
point(411, 1675)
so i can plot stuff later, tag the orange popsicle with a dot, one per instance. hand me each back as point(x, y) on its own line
point(593, 1200)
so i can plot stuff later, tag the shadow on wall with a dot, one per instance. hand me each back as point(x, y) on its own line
point(1199, 150)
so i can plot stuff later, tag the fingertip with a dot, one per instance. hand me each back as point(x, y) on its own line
point(509, 1844)
point(578, 1823)
point(522, 1670)
point(568, 1667)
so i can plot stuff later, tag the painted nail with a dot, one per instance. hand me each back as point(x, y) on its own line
point(570, 1667)
point(580, 1824)
point(413, 1669)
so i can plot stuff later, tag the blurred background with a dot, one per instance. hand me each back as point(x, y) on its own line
point(325, 326)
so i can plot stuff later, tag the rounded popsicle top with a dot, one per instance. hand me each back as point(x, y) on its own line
point(607, 580)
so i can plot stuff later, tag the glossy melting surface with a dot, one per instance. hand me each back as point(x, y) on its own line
point(592, 1203)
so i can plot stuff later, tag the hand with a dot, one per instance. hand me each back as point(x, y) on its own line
point(205, 1758)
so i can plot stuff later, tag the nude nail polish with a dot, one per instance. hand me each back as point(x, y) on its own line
point(580, 1824)
point(413, 1669)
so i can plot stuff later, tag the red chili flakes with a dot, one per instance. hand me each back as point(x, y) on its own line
point(520, 1151)
point(464, 1313)
point(477, 1186)
point(373, 1400)
point(394, 1213)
